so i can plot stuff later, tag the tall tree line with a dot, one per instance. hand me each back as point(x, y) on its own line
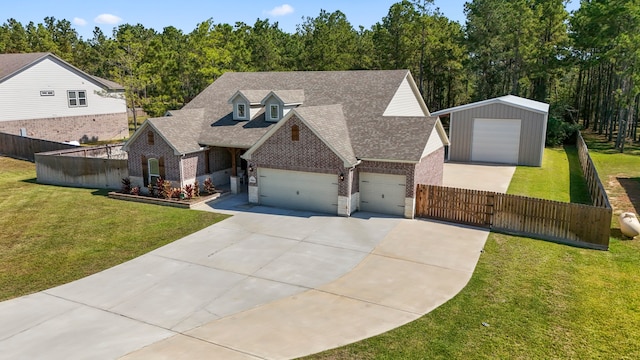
point(584, 64)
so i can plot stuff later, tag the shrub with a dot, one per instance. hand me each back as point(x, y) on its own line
point(135, 191)
point(196, 188)
point(165, 190)
point(126, 186)
point(152, 190)
point(188, 191)
point(560, 132)
point(175, 193)
point(208, 186)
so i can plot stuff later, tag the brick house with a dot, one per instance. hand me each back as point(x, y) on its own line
point(332, 142)
point(44, 97)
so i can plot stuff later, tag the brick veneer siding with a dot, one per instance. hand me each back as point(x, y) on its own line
point(140, 147)
point(430, 169)
point(193, 165)
point(219, 159)
point(72, 128)
point(393, 168)
point(308, 154)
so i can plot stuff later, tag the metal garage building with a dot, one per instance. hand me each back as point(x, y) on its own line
point(507, 130)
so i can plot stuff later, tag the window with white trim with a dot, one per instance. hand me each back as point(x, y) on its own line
point(77, 98)
point(241, 111)
point(274, 111)
point(154, 171)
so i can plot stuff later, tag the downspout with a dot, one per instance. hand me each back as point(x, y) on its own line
point(181, 172)
point(358, 162)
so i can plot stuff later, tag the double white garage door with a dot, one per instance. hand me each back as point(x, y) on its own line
point(496, 141)
point(380, 193)
point(299, 190)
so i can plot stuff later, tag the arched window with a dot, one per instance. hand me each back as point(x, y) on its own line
point(295, 133)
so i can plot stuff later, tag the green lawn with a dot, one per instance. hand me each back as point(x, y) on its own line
point(560, 178)
point(540, 300)
point(51, 235)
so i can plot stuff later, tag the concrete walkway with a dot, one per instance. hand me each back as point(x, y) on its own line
point(265, 284)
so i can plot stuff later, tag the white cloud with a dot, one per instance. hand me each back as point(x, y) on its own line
point(107, 19)
point(281, 10)
point(79, 21)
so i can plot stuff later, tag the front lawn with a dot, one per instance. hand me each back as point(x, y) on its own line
point(51, 235)
point(539, 300)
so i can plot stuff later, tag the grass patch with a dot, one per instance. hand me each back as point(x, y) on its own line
point(541, 300)
point(52, 235)
point(560, 178)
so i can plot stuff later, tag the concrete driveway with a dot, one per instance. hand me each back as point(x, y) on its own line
point(264, 284)
point(488, 177)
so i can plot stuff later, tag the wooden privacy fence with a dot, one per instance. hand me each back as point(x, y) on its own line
point(575, 224)
point(25, 148)
point(101, 167)
point(596, 190)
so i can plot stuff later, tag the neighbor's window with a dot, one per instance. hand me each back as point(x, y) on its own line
point(154, 171)
point(273, 112)
point(242, 111)
point(77, 98)
point(150, 138)
point(295, 133)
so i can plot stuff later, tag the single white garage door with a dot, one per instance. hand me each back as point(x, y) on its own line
point(496, 140)
point(382, 193)
point(298, 190)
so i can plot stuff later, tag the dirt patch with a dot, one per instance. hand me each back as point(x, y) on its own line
point(624, 193)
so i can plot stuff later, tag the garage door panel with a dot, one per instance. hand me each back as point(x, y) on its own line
point(496, 140)
point(298, 190)
point(382, 193)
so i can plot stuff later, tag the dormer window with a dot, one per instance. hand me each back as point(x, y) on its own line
point(241, 111)
point(274, 112)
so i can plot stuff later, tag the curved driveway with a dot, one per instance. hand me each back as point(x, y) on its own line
point(265, 284)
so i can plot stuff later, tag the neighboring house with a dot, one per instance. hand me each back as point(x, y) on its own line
point(44, 97)
point(332, 142)
point(508, 129)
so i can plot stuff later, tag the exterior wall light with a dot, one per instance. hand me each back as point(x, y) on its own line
point(341, 177)
point(250, 168)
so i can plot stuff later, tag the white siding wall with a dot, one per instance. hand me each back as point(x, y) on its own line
point(434, 143)
point(404, 102)
point(20, 95)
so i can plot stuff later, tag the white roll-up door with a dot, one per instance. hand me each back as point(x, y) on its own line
point(496, 141)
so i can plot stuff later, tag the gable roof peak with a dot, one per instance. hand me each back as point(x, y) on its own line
point(287, 97)
point(12, 64)
point(253, 97)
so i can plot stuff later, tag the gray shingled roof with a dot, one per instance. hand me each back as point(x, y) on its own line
point(254, 96)
point(181, 129)
point(290, 96)
point(358, 130)
point(10, 64)
point(328, 121)
point(396, 138)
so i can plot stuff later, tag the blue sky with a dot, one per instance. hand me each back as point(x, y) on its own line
point(185, 15)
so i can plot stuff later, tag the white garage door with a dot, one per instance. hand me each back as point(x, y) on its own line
point(496, 140)
point(298, 190)
point(382, 193)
